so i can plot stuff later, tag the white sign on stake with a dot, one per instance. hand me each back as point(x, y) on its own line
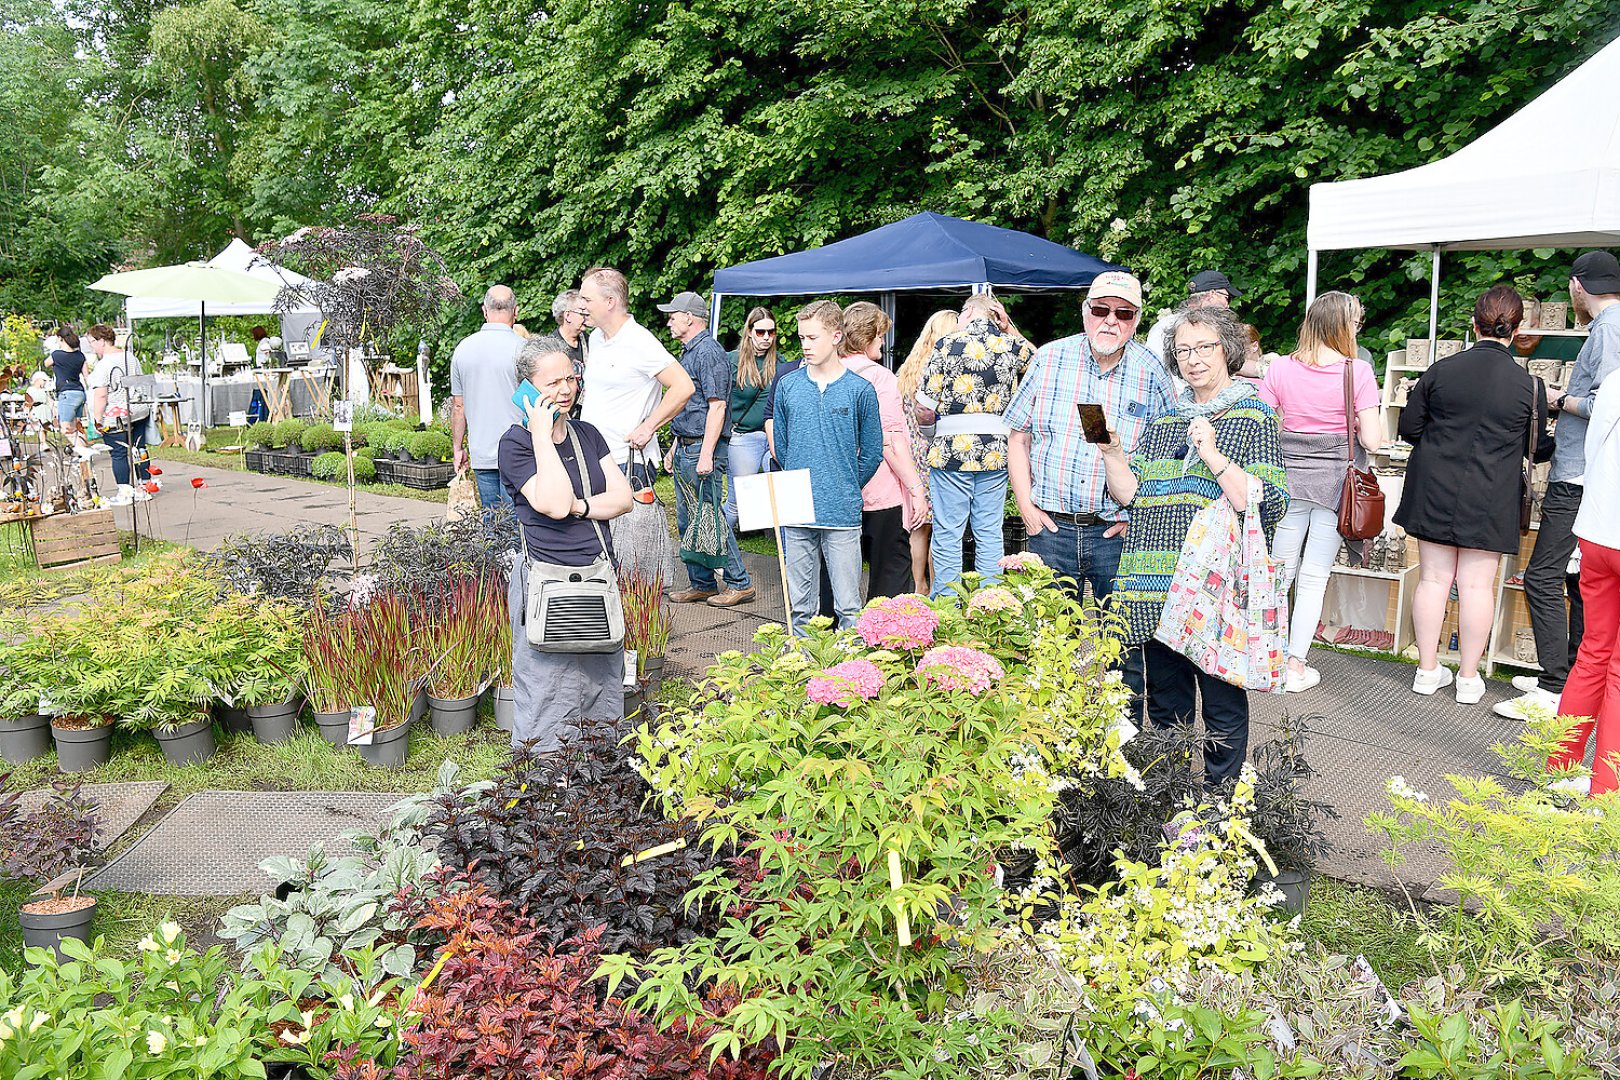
point(767, 500)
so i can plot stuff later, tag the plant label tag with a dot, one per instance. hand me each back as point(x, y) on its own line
point(766, 500)
point(343, 416)
point(362, 725)
point(629, 669)
point(5, 447)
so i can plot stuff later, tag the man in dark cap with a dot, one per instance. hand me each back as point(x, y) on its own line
point(1210, 288)
point(1594, 288)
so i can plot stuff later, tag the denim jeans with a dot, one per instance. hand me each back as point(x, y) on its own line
point(806, 551)
point(1174, 685)
point(491, 492)
point(119, 447)
point(702, 577)
point(1083, 554)
point(69, 406)
point(962, 499)
point(746, 455)
point(1307, 542)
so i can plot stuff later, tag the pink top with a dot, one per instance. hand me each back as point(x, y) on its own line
point(1311, 399)
point(884, 490)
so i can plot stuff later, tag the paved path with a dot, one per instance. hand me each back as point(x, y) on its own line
point(238, 502)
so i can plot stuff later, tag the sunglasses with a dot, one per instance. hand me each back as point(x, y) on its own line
point(764, 331)
point(1102, 311)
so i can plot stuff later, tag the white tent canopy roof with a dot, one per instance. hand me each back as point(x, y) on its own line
point(1548, 176)
point(238, 256)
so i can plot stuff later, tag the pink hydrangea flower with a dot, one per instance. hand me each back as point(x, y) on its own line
point(993, 599)
point(957, 667)
point(1020, 560)
point(900, 622)
point(844, 684)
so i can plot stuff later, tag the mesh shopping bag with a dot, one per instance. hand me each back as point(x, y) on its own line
point(642, 538)
point(704, 541)
point(1224, 611)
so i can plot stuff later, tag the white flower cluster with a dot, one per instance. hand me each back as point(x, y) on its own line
point(1399, 788)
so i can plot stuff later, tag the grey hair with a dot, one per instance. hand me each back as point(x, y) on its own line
point(564, 304)
point(500, 298)
point(1197, 300)
point(977, 306)
point(1233, 338)
point(537, 349)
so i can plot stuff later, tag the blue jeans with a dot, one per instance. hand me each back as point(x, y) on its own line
point(122, 448)
point(701, 577)
point(805, 551)
point(1175, 686)
point(491, 492)
point(747, 454)
point(960, 499)
point(69, 406)
point(1084, 554)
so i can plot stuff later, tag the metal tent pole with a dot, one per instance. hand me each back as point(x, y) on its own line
point(1311, 267)
point(886, 301)
point(1434, 301)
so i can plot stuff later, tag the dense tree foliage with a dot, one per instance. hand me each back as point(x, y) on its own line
point(670, 137)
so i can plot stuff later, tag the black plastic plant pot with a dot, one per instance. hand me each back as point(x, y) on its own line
point(275, 723)
point(334, 727)
point(46, 929)
point(82, 749)
point(505, 702)
point(632, 702)
point(387, 749)
point(453, 716)
point(232, 721)
point(419, 705)
point(25, 738)
point(187, 744)
point(1295, 886)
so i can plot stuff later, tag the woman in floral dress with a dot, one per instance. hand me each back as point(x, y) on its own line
point(920, 518)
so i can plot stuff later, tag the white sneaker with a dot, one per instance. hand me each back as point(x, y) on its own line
point(1300, 681)
point(1427, 682)
point(124, 496)
point(1526, 683)
point(1469, 691)
point(1537, 704)
point(1578, 786)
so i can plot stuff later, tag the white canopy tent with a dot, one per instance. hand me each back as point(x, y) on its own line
point(238, 256)
point(1548, 176)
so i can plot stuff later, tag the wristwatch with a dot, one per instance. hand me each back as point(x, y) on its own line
point(1558, 406)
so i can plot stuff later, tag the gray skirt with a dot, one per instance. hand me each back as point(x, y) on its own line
point(555, 692)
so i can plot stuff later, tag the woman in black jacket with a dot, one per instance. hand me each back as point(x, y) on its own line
point(1469, 420)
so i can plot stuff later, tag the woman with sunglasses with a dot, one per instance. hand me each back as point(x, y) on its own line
point(753, 373)
point(1219, 437)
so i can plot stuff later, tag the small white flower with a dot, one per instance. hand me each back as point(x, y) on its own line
point(37, 1022)
point(156, 1042)
point(14, 1018)
point(381, 1021)
point(147, 944)
point(347, 1002)
point(172, 956)
point(170, 931)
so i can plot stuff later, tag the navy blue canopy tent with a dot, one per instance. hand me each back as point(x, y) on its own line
point(923, 251)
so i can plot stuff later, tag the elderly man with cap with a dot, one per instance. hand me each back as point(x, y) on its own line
point(1211, 288)
point(698, 452)
point(1594, 287)
point(1057, 476)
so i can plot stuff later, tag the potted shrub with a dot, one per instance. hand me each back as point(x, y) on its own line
point(329, 649)
point(168, 672)
point(429, 446)
point(1288, 823)
point(25, 733)
point(500, 658)
point(320, 438)
point(460, 632)
point(59, 835)
point(383, 675)
point(646, 625)
point(272, 670)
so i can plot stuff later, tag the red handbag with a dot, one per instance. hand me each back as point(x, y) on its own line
point(1361, 500)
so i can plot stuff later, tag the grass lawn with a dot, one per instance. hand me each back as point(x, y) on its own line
point(1355, 919)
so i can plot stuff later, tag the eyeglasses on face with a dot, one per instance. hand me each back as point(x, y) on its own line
point(765, 331)
point(581, 312)
point(1123, 314)
point(1204, 349)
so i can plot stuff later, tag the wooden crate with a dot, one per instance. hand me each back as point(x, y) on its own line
point(69, 539)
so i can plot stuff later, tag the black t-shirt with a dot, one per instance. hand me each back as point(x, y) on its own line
point(571, 541)
point(69, 368)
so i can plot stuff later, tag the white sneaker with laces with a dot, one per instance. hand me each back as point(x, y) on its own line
point(1300, 681)
point(1526, 683)
point(1427, 682)
point(1579, 786)
point(1469, 691)
point(1534, 705)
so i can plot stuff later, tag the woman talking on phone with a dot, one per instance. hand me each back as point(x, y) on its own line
point(1220, 435)
point(564, 484)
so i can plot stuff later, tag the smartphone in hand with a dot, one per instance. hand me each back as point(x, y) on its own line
point(524, 396)
point(1093, 423)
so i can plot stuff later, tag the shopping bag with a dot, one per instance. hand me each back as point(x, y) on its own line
point(704, 541)
point(1224, 611)
point(642, 538)
point(462, 500)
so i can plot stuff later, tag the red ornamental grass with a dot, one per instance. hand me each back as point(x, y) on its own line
point(646, 618)
point(330, 647)
point(463, 635)
point(382, 670)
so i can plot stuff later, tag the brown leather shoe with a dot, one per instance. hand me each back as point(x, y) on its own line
point(691, 596)
point(730, 597)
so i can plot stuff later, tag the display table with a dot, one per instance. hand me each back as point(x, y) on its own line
point(308, 393)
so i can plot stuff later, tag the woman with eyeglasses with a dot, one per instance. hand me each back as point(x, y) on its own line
point(1307, 390)
point(753, 372)
point(563, 500)
point(1219, 437)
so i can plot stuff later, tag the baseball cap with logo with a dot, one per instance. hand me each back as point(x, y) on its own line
point(1118, 285)
point(1598, 272)
point(1213, 281)
point(689, 303)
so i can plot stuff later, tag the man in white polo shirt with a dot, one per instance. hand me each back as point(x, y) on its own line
point(483, 378)
point(633, 386)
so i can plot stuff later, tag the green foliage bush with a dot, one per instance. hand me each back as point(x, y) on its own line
point(330, 466)
point(367, 452)
point(258, 435)
point(320, 437)
point(288, 432)
point(390, 439)
point(429, 446)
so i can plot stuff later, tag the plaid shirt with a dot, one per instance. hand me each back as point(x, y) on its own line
point(1067, 471)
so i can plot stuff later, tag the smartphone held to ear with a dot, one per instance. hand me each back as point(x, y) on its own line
point(524, 396)
point(1093, 422)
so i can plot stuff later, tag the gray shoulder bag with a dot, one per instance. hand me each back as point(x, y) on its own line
point(574, 609)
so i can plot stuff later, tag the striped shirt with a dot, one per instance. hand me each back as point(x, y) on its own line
point(1174, 485)
point(1066, 470)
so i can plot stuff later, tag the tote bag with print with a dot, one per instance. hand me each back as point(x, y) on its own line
point(1224, 611)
